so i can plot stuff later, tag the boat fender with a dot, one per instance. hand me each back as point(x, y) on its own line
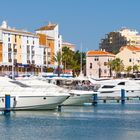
point(16, 98)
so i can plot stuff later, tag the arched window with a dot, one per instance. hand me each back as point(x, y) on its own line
point(90, 65)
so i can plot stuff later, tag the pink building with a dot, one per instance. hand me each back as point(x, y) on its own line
point(97, 63)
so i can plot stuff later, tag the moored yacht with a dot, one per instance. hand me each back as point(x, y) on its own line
point(31, 95)
point(113, 87)
point(80, 89)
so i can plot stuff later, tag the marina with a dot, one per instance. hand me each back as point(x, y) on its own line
point(103, 122)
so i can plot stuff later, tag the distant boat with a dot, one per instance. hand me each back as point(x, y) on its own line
point(31, 94)
point(112, 88)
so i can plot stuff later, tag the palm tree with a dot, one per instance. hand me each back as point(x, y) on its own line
point(128, 70)
point(58, 59)
point(109, 64)
point(67, 54)
point(117, 66)
point(75, 67)
point(136, 68)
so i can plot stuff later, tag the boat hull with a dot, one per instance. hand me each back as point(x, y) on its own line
point(78, 97)
point(33, 102)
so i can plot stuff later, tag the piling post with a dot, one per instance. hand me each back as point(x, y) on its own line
point(7, 104)
point(104, 100)
point(59, 108)
point(122, 96)
point(95, 98)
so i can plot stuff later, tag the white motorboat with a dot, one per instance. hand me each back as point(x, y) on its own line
point(31, 94)
point(79, 88)
point(112, 88)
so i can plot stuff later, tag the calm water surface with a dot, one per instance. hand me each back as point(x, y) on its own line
point(104, 122)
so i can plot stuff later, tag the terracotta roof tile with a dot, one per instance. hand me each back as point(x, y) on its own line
point(131, 48)
point(50, 26)
point(94, 53)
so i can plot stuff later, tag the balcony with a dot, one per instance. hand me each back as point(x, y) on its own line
point(28, 51)
point(33, 52)
point(45, 62)
point(15, 50)
point(15, 61)
point(28, 61)
point(9, 49)
point(10, 60)
point(33, 61)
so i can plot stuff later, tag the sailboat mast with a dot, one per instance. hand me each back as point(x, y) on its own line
point(81, 59)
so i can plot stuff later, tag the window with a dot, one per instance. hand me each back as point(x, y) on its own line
point(108, 86)
point(96, 59)
point(15, 38)
point(90, 65)
point(9, 45)
point(121, 83)
point(130, 60)
point(8, 39)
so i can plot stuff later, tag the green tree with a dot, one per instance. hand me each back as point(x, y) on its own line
point(128, 70)
point(58, 59)
point(75, 67)
point(67, 54)
point(117, 66)
point(135, 68)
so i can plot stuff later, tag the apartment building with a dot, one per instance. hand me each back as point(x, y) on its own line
point(132, 36)
point(69, 45)
point(53, 38)
point(21, 49)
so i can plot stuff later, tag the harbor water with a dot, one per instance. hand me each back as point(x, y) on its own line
point(111, 121)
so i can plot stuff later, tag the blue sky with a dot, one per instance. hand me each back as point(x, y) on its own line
point(80, 21)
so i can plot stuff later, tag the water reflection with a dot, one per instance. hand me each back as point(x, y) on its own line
point(103, 122)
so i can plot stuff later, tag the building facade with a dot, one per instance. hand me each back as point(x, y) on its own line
point(69, 45)
point(113, 41)
point(97, 63)
point(132, 36)
point(130, 56)
point(53, 38)
point(19, 49)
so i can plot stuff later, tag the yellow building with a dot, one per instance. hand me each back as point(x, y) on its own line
point(130, 56)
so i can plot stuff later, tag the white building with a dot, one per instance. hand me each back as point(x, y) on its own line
point(132, 36)
point(21, 48)
point(52, 30)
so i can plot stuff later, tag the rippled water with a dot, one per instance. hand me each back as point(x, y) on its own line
point(103, 122)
